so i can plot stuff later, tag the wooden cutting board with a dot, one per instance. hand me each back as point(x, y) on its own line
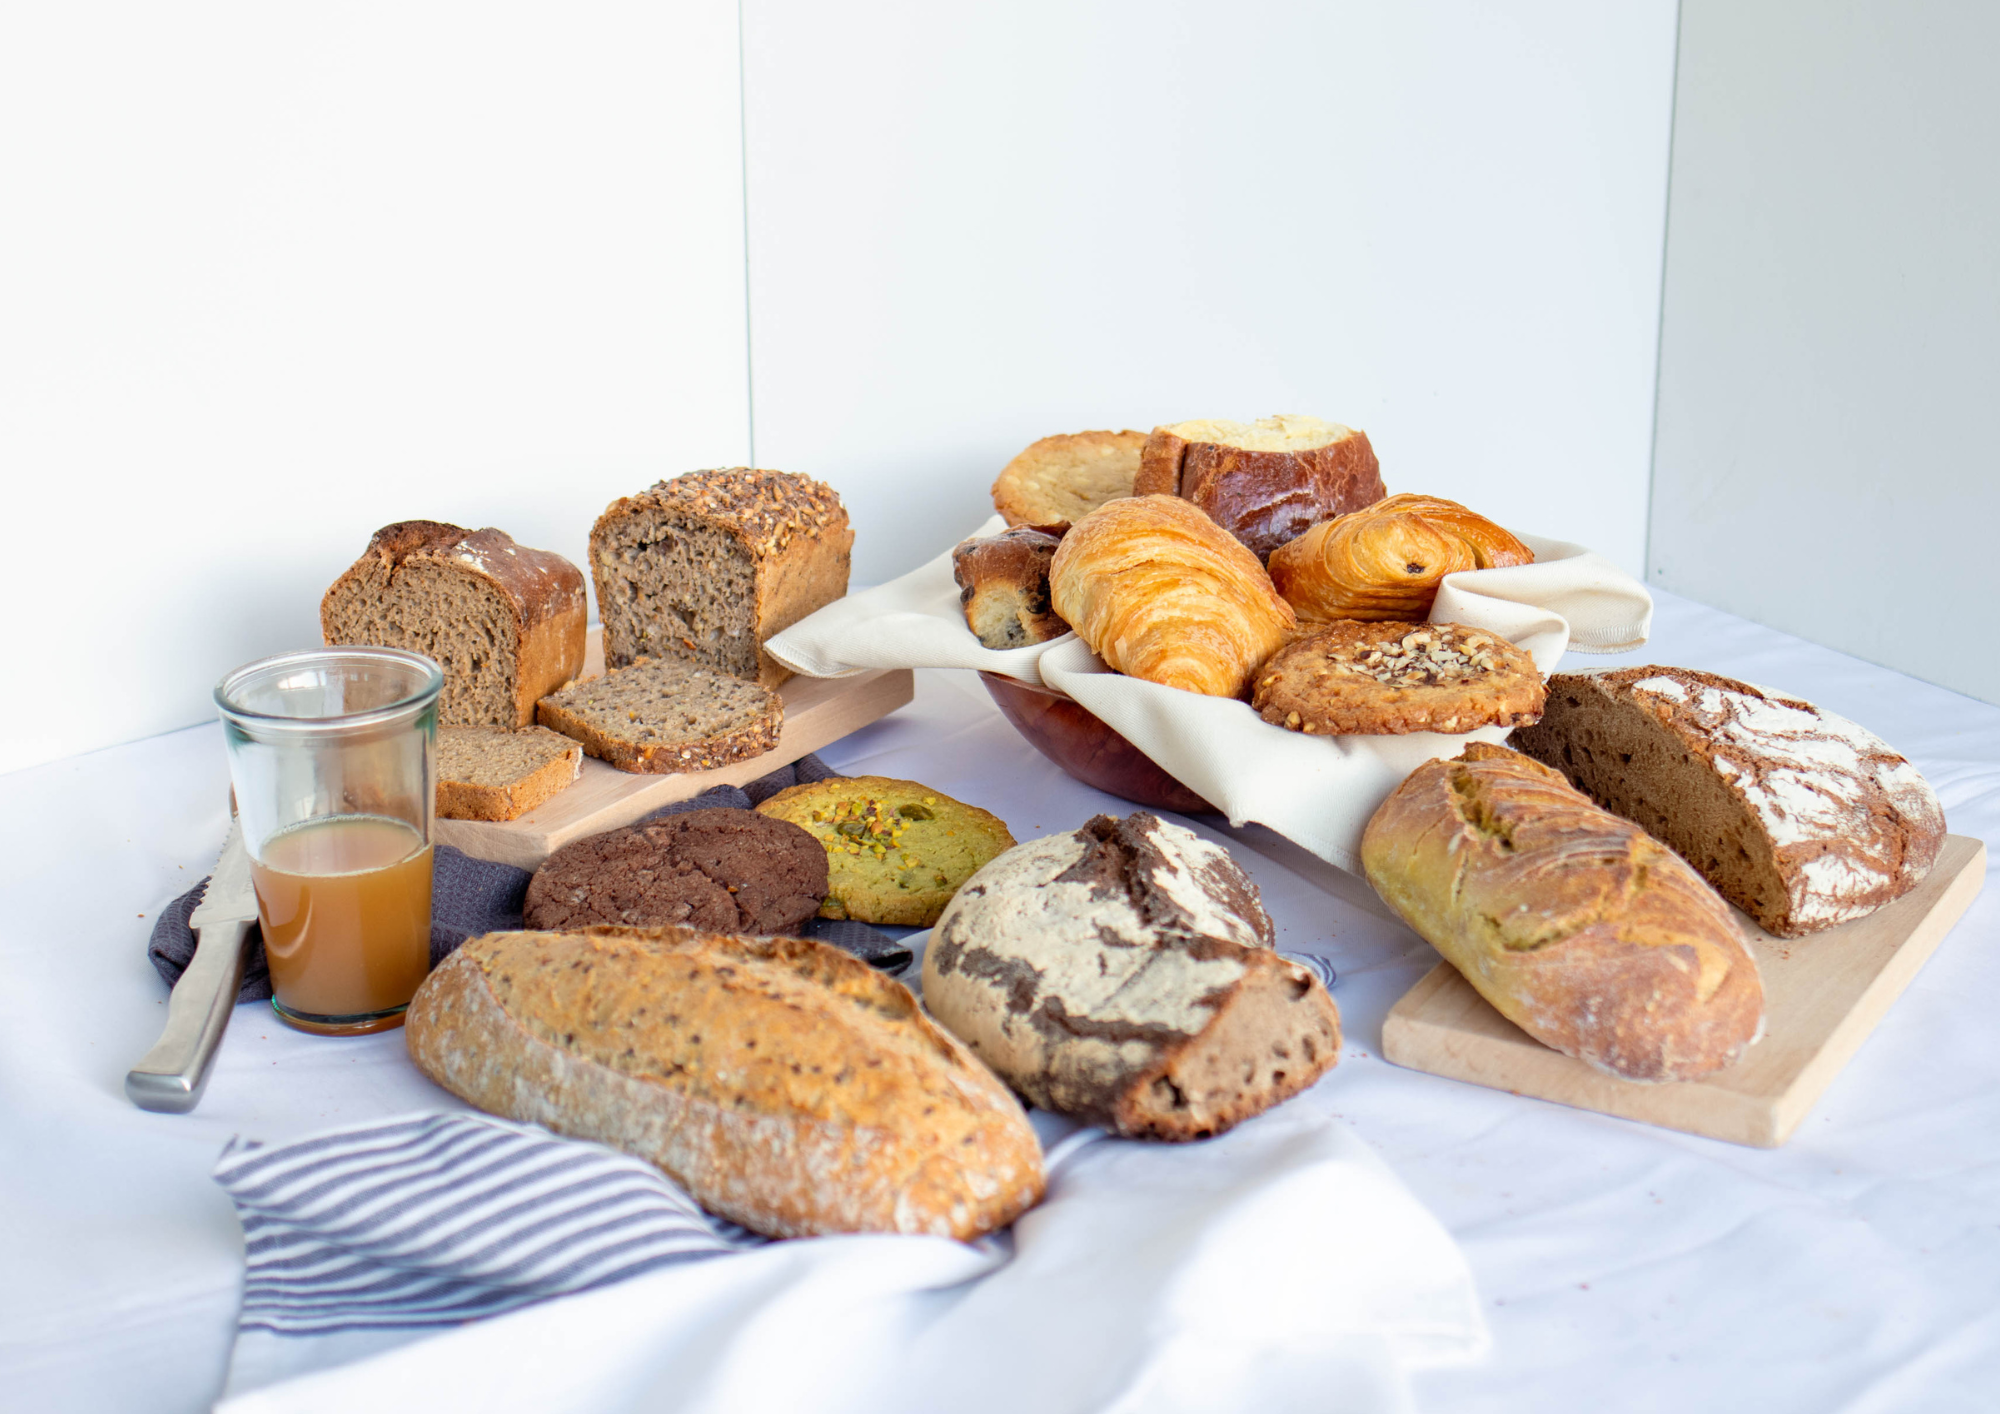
point(818, 712)
point(1823, 994)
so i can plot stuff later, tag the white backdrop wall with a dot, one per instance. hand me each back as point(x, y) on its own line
point(1831, 342)
point(272, 276)
point(1440, 221)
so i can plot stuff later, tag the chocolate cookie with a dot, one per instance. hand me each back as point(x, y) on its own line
point(1383, 678)
point(725, 871)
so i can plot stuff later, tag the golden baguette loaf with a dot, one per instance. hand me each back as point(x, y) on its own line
point(1384, 563)
point(1161, 592)
point(1577, 926)
point(786, 1085)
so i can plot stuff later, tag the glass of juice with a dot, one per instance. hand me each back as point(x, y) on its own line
point(333, 756)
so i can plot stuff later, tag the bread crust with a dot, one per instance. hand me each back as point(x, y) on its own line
point(542, 590)
point(1799, 817)
point(1576, 925)
point(1263, 498)
point(1003, 583)
point(1370, 679)
point(793, 530)
point(787, 1086)
point(1387, 560)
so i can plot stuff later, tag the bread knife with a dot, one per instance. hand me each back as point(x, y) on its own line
point(173, 1074)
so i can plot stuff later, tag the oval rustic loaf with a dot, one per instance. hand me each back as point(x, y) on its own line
point(1122, 974)
point(1579, 927)
point(786, 1085)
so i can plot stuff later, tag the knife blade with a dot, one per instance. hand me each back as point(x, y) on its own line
point(171, 1076)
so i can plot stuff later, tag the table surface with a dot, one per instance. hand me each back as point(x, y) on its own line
point(1857, 1268)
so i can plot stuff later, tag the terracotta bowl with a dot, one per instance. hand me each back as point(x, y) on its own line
point(1081, 743)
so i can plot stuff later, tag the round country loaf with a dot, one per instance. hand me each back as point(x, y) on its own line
point(1122, 975)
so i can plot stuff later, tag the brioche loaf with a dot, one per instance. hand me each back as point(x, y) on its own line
point(787, 1086)
point(1576, 925)
point(1264, 482)
point(708, 565)
point(1160, 592)
point(1797, 816)
point(503, 621)
point(1122, 974)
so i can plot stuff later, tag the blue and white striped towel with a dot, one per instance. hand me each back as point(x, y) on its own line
point(367, 1236)
point(416, 1258)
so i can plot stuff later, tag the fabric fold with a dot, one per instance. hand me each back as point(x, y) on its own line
point(1317, 791)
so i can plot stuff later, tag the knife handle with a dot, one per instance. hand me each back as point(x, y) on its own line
point(172, 1075)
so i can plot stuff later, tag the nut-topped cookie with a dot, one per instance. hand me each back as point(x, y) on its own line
point(1374, 679)
point(896, 850)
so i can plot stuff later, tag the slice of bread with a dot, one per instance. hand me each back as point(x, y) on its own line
point(1062, 479)
point(491, 773)
point(666, 715)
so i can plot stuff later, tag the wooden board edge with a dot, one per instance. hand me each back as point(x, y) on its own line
point(1852, 1031)
point(875, 696)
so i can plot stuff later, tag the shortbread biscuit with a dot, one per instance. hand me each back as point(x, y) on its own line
point(1374, 679)
point(1062, 479)
point(896, 851)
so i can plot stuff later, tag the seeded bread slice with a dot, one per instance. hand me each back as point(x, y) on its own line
point(664, 716)
point(490, 773)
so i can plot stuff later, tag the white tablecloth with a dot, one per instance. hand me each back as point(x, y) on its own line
point(1624, 1267)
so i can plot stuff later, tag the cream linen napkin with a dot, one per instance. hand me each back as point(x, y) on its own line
point(1317, 791)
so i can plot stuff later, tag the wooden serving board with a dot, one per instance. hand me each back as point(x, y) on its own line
point(818, 712)
point(1823, 994)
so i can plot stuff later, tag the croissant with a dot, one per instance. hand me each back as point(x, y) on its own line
point(1162, 592)
point(1384, 563)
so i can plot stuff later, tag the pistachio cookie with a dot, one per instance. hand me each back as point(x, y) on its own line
point(896, 851)
point(1348, 678)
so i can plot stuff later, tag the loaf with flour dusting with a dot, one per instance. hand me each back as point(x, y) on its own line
point(1123, 975)
point(1579, 927)
point(1799, 817)
point(786, 1085)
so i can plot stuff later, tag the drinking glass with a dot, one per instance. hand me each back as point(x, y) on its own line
point(332, 754)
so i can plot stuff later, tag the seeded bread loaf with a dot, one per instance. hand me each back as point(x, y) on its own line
point(1123, 975)
point(492, 773)
point(1578, 926)
point(787, 1086)
point(1265, 482)
point(503, 621)
point(1797, 816)
point(709, 565)
point(666, 715)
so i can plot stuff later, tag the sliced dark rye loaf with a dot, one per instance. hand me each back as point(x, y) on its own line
point(709, 565)
point(491, 773)
point(664, 715)
point(504, 622)
point(1798, 817)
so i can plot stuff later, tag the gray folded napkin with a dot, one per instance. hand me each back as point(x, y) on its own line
point(473, 896)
